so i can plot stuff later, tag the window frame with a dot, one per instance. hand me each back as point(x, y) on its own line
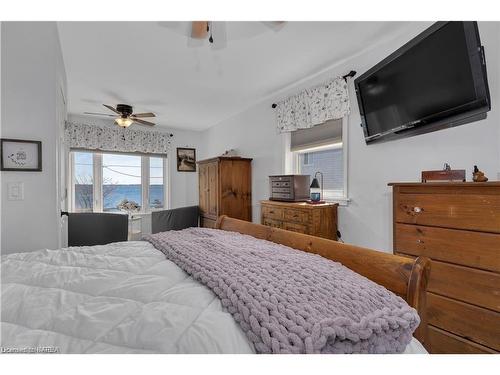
point(308, 157)
point(97, 204)
point(291, 161)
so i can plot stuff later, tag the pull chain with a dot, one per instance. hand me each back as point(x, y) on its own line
point(209, 29)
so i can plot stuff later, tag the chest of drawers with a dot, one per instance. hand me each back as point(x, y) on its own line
point(456, 225)
point(317, 220)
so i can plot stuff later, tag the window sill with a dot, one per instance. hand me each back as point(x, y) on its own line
point(342, 201)
point(138, 213)
point(142, 213)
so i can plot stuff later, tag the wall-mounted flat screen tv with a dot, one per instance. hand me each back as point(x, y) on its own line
point(437, 80)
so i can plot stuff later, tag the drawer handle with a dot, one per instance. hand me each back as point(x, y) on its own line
point(271, 212)
point(420, 241)
point(417, 209)
point(295, 215)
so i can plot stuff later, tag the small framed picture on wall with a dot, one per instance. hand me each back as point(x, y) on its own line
point(20, 155)
point(186, 159)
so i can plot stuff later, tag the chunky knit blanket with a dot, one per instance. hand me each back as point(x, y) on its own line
point(290, 301)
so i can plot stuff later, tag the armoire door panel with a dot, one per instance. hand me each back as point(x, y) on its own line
point(203, 188)
point(213, 183)
point(235, 197)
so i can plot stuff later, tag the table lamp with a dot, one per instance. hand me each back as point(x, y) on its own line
point(317, 188)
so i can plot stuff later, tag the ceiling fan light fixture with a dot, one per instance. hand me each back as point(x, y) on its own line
point(124, 122)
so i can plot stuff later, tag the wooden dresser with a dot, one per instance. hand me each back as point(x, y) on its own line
point(315, 219)
point(457, 225)
point(225, 188)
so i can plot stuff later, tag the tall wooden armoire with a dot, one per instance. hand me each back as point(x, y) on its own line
point(225, 186)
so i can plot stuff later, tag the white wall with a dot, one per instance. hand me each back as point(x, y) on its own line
point(1, 185)
point(32, 71)
point(367, 221)
point(183, 185)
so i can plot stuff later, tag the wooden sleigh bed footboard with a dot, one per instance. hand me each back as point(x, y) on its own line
point(403, 276)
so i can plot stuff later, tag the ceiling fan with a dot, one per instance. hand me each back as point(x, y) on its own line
point(216, 32)
point(126, 115)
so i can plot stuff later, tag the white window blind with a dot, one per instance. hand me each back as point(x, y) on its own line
point(324, 134)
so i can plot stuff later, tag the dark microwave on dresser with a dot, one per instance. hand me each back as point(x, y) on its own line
point(289, 188)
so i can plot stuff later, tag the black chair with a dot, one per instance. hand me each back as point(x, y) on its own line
point(88, 229)
point(175, 219)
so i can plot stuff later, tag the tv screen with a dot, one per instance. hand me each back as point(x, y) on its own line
point(439, 76)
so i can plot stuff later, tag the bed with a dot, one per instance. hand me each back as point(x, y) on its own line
point(128, 298)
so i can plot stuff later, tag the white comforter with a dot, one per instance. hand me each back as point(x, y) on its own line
point(119, 298)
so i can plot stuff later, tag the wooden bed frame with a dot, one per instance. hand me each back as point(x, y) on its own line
point(404, 276)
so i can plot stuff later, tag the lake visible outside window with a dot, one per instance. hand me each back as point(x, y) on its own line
point(101, 181)
point(156, 188)
point(83, 172)
point(121, 179)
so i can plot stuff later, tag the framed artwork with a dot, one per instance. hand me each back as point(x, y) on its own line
point(20, 155)
point(186, 159)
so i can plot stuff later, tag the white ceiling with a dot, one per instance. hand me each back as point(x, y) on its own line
point(151, 66)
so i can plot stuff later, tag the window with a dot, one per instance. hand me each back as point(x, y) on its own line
point(83, 181)
point(156, 183)
point(328, 161)
point(121, 179)
point(101, 181)
point(321, 149)
point(306, 159)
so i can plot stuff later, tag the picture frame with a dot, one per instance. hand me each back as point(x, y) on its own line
point(20, 155)
point(186, 159)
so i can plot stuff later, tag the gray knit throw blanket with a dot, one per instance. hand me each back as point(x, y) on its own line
point(290, 301)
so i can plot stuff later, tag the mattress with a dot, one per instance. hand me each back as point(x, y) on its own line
point(119, 298)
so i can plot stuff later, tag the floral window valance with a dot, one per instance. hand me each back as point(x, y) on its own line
point(314, 106)
point(115, 138)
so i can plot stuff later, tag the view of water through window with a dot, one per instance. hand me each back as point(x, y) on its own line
point(121, 179)
point(156, 192)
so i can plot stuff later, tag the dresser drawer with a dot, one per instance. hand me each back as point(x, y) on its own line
point(280, 184)
point(442, 342)
point(298, 216)
point(469, 321)
point(272, 223)
point(271, 212)
point(481, 288)
point(274, 179)
point(281, 190)
point(467, 248)
point(478, 287)
point(295, 227)
point(459, 211)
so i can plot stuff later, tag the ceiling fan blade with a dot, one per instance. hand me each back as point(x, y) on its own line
point(142, 122)
point(98, 114)
point(141, 115)
point(193, 43)
point(111, 109)
point(199, 29)
point(219, 35)
point(274, 25)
